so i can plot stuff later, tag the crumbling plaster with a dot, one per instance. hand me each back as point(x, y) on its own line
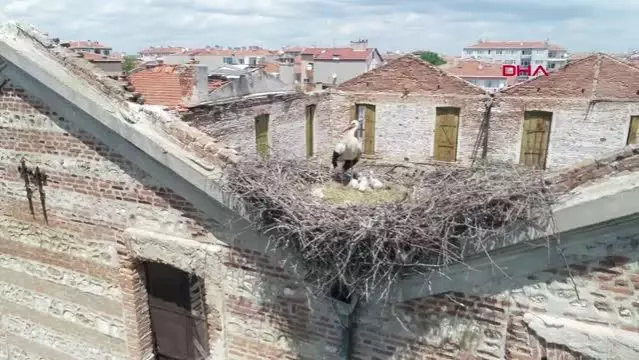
point(593, 341)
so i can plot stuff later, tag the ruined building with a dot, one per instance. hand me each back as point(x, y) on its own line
point(115, 232)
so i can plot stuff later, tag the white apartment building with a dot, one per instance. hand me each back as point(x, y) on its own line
point(522, 53)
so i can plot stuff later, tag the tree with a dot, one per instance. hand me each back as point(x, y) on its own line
point(432, 58)
point(128, 63)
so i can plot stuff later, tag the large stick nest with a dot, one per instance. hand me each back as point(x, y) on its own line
point(449, 214)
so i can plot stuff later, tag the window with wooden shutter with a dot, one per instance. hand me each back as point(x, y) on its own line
point(369, 129)
point(262, 144)
point(365, 114)
point(446, 133)
point(634, 130)
point(535, 138)
point(178, 313)
point(310, 129)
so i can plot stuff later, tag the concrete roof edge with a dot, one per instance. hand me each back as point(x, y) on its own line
point(135, 124)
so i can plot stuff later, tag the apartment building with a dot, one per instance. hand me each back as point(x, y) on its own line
point(522, 53)
point(333, 66)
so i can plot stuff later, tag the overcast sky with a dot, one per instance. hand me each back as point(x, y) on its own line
point(445, 26)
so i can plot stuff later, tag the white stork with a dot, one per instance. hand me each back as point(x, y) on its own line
point(349, 149)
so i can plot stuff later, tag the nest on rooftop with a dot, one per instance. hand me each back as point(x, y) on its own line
point(450, 213)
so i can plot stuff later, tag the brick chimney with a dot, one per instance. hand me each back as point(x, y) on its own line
point(359, 45)
point(199, 83)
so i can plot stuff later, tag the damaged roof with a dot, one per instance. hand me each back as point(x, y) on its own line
point(168, 148)
point(410, 73)
point(598, 76)
point(168, 85)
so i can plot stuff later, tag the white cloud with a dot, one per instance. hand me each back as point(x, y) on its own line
point(388, 24)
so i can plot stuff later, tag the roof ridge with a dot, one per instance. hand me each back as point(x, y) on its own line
point(560, 70)
point(417, 58)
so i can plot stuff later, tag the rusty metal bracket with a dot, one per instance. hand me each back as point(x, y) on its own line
point(34, 179)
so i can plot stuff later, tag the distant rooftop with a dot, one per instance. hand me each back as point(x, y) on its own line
point(475, 69)
point(163, 50)
point(341, 53)
point(515, 45)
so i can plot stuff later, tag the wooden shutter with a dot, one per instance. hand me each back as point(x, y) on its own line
point(310, 120)
point(261, 135)
point(535, 138)
point(634, 130)
point(446, 130)
point(177, 311)
point(369, 129)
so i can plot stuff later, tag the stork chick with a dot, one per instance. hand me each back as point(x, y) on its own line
point(363, 184)
point(375, 184)
point(349, 149)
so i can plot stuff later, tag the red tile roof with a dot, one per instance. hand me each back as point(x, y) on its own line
point(342, 53)
point(475, 69)
point(164, 84)
point(88, 44)
point(216, 84)
point(409, 73)
point(162, 50)
point(515, 45)
point(598, 76)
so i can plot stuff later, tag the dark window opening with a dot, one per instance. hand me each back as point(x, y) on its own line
point(340, 292)
point(178, 313)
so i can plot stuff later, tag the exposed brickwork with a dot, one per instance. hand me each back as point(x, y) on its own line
point(598, 76)
point(51, 137)
point(626, 160)
point(234, 123)
point(135, 307)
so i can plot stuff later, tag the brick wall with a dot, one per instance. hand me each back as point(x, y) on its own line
point(579, 131)
point(74, 289)
point(496, 325)
point(234, 123)
point(405, 126)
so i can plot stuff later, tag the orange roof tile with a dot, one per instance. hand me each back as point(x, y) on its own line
point(272, 67)
point(342, 53)
point(598, 76)
point(515, 45)
point(412, 74)
point(216, 84)
point(164, 84)
point(475, 69)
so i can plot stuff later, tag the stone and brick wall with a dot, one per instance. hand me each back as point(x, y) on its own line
point(71, 289)
point(579, 131)
point(405, 126)
point(234, 123)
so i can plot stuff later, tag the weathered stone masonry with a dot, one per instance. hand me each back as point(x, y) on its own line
point(589, 118)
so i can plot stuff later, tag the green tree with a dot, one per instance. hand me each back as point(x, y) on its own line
point(432, 58)
point(128, 63)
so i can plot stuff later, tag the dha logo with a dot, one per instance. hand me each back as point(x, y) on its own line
point(516, 70)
